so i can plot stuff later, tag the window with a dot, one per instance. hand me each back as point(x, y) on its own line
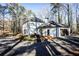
point(64, 32)
point(24, 31)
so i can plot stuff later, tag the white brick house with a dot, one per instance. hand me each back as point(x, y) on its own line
point(54, 29)
point(29, 27)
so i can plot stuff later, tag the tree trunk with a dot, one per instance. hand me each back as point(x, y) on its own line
point(59, 21)
point(68, 14)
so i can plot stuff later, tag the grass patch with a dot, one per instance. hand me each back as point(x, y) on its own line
point(27, 38)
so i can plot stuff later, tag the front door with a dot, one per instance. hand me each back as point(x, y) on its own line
point(48, 32)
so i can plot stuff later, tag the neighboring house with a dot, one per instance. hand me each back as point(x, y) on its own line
point(54, 29)
point(29, 27)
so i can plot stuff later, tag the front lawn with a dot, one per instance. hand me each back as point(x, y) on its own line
point(27, 38)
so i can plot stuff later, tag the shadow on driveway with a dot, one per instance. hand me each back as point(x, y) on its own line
point(41, 49)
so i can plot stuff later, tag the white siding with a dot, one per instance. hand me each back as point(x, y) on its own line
point(58, 32)
point(44, 32)
point(53, 32)
point(30, 27)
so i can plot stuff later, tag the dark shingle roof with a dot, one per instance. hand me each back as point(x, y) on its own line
point(35, 19)
point(52, 24)
point(46, 26)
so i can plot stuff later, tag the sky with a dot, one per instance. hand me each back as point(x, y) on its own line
point(36, 7)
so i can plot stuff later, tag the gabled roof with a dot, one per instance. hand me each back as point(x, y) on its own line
point(59, 25)
point(35, 19)
point(52, 24)
point(46, 26)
